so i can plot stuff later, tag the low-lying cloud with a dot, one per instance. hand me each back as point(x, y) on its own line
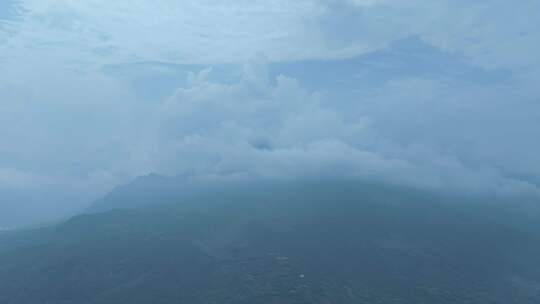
point(419, 132)
point(433, 94)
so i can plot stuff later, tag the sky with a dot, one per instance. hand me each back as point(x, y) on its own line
point(434, 94)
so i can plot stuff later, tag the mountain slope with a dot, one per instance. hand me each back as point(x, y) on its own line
point(283, 243)
point(143, 191)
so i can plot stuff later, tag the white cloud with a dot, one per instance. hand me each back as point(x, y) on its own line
point(66, 124)
point(257, 129)
point(81, 34)
point(195, 31)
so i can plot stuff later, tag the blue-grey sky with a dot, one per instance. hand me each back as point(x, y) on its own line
point(438, 94)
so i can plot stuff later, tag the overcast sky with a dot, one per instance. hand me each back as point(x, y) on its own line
point(437, 94)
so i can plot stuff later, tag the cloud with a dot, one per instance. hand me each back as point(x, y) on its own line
point(260, 129)
point(436, 94)
point(195, 31)
point(202, 31)
point(28, 197)
point(8, 10)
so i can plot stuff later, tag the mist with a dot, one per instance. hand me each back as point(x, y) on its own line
point(269, 152)
point(438, 95)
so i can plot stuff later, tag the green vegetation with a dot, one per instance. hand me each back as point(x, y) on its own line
point(282, 243)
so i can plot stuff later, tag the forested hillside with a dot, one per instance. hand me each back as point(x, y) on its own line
point(279, 243)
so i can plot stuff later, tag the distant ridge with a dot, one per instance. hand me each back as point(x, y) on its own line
point(142, 191)
point(271, 242)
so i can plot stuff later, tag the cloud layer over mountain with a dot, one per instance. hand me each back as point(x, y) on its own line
point(433, 94)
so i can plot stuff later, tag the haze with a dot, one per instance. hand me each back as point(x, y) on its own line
point(438, 95)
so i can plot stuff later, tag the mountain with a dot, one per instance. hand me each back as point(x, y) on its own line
point(291, 242)
point(142, 191)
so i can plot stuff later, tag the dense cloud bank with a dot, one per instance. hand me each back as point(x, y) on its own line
point(419, 132)
point(432, 94)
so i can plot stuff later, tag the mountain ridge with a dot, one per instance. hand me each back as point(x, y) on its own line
point(293, 243)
